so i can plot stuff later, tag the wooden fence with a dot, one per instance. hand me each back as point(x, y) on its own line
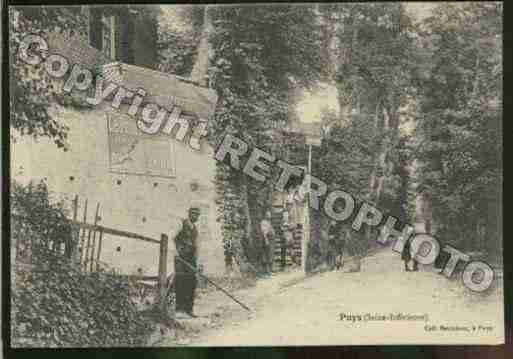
point(85, 247)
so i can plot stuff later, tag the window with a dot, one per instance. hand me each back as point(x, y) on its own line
point(95, 30)
point(102, 33)
point(109, 36)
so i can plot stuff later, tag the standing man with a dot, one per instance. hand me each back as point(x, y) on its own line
point(185, 277)
point(408, 257)
point(288, 239)
point(340, 248)
point(268, 235)
point(332, 245)
point(295, 207)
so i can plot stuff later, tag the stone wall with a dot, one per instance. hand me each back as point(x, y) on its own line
point(137, 203)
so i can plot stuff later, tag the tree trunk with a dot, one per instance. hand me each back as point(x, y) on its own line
point(475, 84)
point(249, 225)
point(372, 182)
point(427, 212)
point(199, 71)
point(345, 102)
point(329, 39)
point(493, 238)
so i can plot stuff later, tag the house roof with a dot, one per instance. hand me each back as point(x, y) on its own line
point(76, 50)
point(163, 89)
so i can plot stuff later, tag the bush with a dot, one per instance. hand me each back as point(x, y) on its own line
point(63, 307)
point(38, 225)
point(53, 303)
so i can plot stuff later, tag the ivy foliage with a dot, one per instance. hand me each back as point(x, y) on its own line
point(364, 152)
point(459, 121)
point(54, 304)
point(178, 43)
point(32, 91)
point(38, 223)
point(30, 87)
point(61, 307)
point(259, 53)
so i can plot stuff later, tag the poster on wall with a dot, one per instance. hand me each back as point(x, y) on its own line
point(133, 152)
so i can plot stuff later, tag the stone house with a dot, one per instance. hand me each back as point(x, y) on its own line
point(143, 183)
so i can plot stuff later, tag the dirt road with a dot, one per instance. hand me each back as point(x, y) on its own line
point(309, 311)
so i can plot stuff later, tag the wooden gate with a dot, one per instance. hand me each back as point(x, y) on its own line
point(89, 238)
point(85, 247)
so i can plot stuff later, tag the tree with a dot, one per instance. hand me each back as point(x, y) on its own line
point(31, 92)
point(258, 54)
point(180, 30)
point(376, 56)
point(459, 122)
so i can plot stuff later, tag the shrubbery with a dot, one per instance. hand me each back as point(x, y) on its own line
point(62, 307)
point(53, 303)
point(37, 222)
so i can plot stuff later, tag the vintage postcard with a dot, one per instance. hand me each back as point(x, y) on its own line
point(255, 175)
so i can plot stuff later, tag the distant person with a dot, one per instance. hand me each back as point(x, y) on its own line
point(332, 245)
point(288, 239)
point(407, 257)
point(185, 276)
point(340, 245)
point(324, 244)
point(295, 220)
point(267, 244)
point(442, 259)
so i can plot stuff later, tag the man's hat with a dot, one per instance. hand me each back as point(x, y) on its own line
point(194, 209)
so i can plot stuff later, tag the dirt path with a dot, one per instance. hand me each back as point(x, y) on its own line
point(308, 312)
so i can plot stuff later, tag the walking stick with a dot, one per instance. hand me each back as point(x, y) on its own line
point(214, 284)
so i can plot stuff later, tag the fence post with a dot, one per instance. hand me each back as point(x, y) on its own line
point(98, 253)
point(75, 234)
point(163, 271)
point(82, 239)
point(96, 218)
